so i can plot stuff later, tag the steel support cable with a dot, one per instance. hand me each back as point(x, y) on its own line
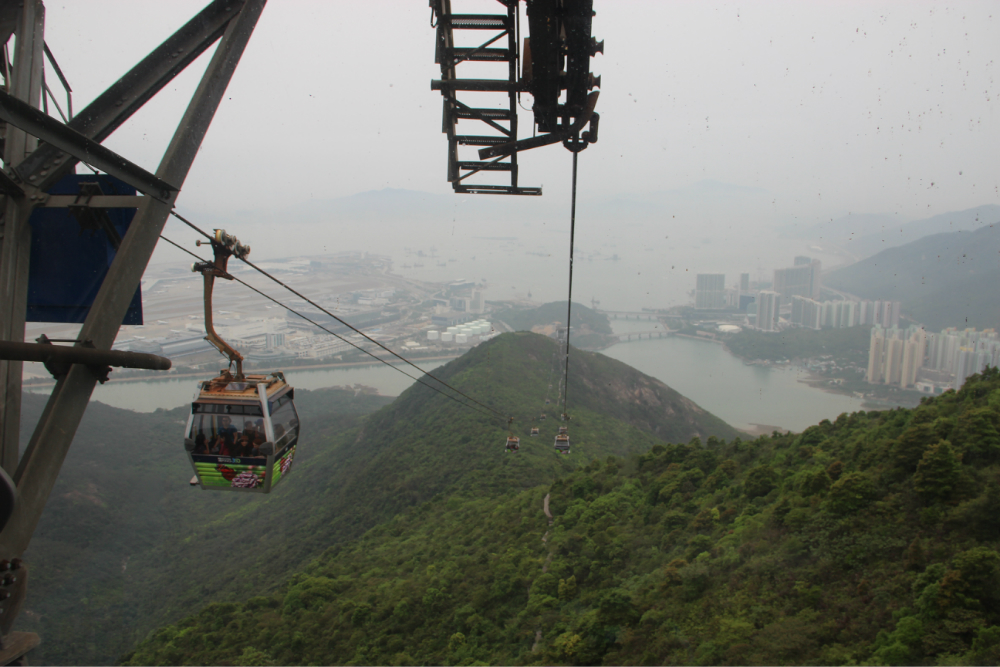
point(346, 324)
point(569, 299)
point(332, 333)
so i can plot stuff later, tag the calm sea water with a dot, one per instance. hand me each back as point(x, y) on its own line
point(722, 384)
point(704, 372)
point(147, 396)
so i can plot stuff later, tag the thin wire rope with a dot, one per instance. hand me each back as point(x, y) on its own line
point(346, 324)
point(569, 299)
point(332, 333)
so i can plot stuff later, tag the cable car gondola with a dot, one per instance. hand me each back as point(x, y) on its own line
point(242, 433)
point(513, 443)
point(562, 443)
point(534, 431)
point(243, 429)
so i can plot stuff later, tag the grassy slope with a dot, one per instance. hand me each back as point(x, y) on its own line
point(872, 539)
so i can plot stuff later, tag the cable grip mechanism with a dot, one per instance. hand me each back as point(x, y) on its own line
point(224, 246)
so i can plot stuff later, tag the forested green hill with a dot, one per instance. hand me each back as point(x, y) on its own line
point(872, 539)
point(846, 346)
point(591, 329)
point(126, 541)
point(113, 556)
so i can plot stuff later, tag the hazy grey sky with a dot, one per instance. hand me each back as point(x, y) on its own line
point(829, 106)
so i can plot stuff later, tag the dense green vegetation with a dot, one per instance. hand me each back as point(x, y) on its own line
point(871, 539)
point(128, 542)
point(113, 555)
point(846, 346)
point(591, 329)
point(944, 280)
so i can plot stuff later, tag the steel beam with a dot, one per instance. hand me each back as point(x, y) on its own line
point(15, 233)
point(65, 354)
point(126, 96)
point(97, 201)
point(39, 467)
point(65, 138)
point(9, 186)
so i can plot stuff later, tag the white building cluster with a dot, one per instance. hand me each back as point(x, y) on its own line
point(464, 334)
point(930, 362)
point(843, 314)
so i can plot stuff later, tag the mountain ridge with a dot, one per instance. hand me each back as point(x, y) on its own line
point(142, 554)
point(943, 280)
point(871, 539)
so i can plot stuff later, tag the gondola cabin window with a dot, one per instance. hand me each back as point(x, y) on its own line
point(285, 420)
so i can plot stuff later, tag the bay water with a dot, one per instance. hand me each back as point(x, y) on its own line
point(744, 396)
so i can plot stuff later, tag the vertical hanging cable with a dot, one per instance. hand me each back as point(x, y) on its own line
point(569, 299)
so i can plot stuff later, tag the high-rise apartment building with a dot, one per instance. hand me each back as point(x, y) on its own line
point(895, 356)
point(806, 312)
point(876, 353)
point(768, 303)
point(744, 283)
point(914, 349)
point(710, 291)
point(892, 364)
point(802, 280)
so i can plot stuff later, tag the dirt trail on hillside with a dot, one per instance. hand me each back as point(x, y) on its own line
point(545, 566)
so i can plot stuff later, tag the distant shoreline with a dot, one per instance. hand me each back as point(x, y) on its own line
point(290, 369)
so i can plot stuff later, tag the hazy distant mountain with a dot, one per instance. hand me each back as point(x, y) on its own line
point(943, 280)
point(704, 201)
point(392, 206)
point(844, 229)
point(892, 235)
point(864, 234)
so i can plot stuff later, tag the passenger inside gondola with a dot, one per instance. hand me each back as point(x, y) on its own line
point(200, 445)
point(224, 444)
point(226, 426)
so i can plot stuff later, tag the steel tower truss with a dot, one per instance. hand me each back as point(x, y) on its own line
point(555, 59)
point(38, 150)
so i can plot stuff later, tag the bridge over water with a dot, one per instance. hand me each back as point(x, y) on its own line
point(630, 315)
point(641, 335)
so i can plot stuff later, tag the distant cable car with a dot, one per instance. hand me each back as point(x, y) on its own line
point(242, 434)
point(547, 401)
point(542, 417)
point(534, 431)
point(563, 430)
point(562, 443)
point(243, 429)
point(513, 443)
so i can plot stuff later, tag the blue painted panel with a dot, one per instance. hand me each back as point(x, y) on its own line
point(68, 264)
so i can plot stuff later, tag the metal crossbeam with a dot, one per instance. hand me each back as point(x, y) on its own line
point(228, 22)
point(64, 354)
point(64, 138)
point(39, 466)
point(127, 95)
